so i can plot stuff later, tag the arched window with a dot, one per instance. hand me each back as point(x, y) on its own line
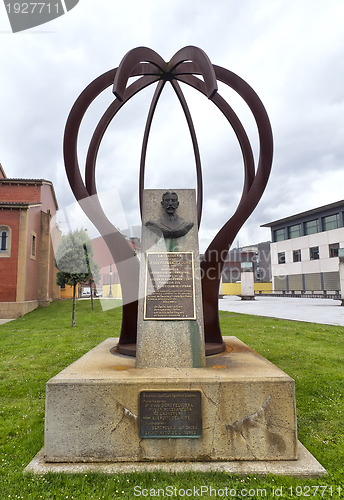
point(5, 241)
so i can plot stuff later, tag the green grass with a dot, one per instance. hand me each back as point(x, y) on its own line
point(37, 346)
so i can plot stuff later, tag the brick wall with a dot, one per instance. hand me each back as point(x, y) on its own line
point(8, 265)
point(33, 263)
point(20, 192)
point(36, 280)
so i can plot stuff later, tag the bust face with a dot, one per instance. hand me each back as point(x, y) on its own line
point(170, 202)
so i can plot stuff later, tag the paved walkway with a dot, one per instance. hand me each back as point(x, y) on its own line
point(2, 321)
point(325, 311)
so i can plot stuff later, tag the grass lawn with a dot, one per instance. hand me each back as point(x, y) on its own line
point(37, 346)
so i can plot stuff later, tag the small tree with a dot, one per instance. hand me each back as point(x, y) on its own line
point(74, 260)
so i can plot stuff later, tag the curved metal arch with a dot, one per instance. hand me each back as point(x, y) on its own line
point(103, 124)
point(187, 114)
point(257, 180)
point(116, 106)
point(257, 185)
point(255, 188)
point(186, 63)
point(202, 61)
point(118, 246)
point(233, 120)
point(72, 128)
point(197, 155)
point(149, 121)
point(129, 61)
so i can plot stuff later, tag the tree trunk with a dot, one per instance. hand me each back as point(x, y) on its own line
point(74, 305)
point(91, 294)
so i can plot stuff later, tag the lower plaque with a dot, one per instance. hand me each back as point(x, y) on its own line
point(170, 414)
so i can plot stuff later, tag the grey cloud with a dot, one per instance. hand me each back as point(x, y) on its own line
point(294, 66)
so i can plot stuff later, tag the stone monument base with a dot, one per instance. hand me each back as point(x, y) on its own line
point(306, 466)
point(247, 410)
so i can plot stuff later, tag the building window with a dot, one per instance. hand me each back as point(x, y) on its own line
point(279, 235)
point(333, 249)
point(33, 245)
point(314, 253)
point(296, 255)
point(330, 222)
point(281, 258)
point(294, 231)
point(5, 241)
point(312, 227)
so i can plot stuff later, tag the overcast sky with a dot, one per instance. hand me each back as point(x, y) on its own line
point(291, 53)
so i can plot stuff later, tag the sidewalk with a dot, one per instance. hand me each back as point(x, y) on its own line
point(2, 321)
point(325, 311)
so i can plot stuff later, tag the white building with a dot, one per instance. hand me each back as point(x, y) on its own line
point(304, 250)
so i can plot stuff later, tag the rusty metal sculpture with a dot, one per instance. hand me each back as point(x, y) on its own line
point(151, 68)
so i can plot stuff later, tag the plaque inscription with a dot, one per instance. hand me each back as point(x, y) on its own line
point(170, 414)
point(169, 286)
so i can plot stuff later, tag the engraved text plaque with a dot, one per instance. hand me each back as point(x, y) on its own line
point(170, 414)
point(169, 286)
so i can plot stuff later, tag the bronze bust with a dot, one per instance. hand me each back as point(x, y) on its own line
point(170, 225)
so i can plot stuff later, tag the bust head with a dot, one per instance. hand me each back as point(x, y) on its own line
point(170, 202)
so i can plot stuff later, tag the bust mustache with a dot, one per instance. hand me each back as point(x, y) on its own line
point(170, 225)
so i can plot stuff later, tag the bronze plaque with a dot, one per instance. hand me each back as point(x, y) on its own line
point(169, 286)
point(170, 414)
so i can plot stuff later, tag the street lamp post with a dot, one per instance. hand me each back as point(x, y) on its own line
point(110, 292)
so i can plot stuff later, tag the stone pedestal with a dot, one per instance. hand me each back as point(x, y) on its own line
point(247, 284)
point(247, 409)
point(170, 329)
